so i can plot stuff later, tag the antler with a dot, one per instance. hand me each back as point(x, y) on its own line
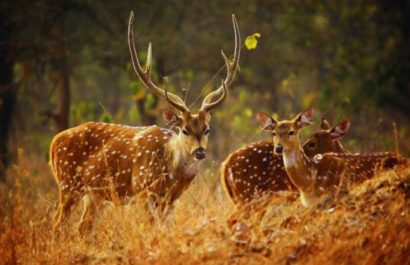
point(176, 105)
point(144, 75)
point(209, 106)
point(231, 66)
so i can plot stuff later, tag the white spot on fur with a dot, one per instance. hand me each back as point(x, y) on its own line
point(230, 175)
point(317, 158)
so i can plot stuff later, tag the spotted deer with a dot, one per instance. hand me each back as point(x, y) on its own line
point(157, 164)
point(254, 172)
point(324, 173)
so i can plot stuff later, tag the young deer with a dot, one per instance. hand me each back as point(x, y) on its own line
point(326, 172)
point(253, 171)
point(94, 159)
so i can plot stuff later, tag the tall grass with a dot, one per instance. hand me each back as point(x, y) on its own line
point(370, 224)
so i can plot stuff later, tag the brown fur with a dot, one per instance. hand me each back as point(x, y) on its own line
point(254, 171)
point(322, 173)
point(153, 162)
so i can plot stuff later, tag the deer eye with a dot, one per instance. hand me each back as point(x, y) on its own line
point(311, 145)
point(291, 133)
point(184, 131)
point(273, 133)
point(207, 131)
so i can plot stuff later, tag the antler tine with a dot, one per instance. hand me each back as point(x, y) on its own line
point(144, 75)
point(231, 66)
point(181, 107)
point(208, 106)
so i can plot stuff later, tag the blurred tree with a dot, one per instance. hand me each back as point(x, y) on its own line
point(8, 86)
point(8, 93)
point(58, 61)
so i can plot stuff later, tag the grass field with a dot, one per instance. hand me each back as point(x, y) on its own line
point(370, 224)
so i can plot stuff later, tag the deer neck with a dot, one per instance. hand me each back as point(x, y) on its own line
point(337, 147)
point(180, 162)
point(301, 172)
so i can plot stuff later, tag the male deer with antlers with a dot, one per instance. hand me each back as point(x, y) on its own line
point(324, 173)
point(253, 172)
point(155, 163)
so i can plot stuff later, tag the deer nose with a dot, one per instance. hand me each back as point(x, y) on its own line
point(278, 149)
point(200, 153)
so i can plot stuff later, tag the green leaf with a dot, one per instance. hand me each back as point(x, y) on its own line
point(105, 117)
point(248, 112)
point(251, 41)
point(149, 102)
point(134, 114)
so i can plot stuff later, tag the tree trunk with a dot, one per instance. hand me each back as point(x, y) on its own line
point(59, 61)
point(8, 95)
point(64, 98)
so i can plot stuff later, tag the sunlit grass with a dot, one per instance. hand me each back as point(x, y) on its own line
point(368, 225)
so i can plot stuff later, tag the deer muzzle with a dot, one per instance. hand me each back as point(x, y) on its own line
point(199, 153)
point(278, 149)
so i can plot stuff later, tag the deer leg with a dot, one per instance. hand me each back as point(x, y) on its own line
point(66, 203)
point(261, 208)
point(342, 177)
point(169, 216)
point(153, 209)
point(149, 204)
point(87, 217)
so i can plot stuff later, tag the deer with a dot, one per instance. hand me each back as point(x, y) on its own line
point(91, 161)
point(323, 173)
point(253, 172)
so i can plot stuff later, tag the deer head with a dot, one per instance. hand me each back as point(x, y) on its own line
point(193, 128)
point(327, 138)
point(285, 133)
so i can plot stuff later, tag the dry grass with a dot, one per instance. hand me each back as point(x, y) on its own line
point(368, 225)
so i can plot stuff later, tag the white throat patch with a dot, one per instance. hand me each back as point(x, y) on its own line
point(185, 161)
point(289, 159)
point(191, 167)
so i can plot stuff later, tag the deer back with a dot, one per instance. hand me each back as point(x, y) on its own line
point(355, 168)
point(253, 171)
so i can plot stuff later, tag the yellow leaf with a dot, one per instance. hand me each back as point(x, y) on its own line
point(251, 42)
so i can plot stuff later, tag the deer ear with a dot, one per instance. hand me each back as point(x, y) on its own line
point(205, 115)
point(171, 118)
point(304, 118)
point(267, 122)
point(340, 129)
point(208, 117)
point(324, 124)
